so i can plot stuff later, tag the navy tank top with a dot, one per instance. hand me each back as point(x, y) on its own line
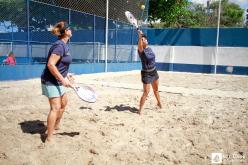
point(147, 57)
point(61, 49)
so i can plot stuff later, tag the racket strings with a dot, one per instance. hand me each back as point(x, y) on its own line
point(86, 93)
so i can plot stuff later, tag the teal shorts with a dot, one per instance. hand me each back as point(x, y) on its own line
point(53, 91)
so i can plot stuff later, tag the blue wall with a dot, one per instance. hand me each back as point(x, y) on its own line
point(21, 72)
point(233, 37)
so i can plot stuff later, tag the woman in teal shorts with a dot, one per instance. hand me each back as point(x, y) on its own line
point(55, 78)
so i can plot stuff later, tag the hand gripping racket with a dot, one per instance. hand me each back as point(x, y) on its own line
point(85, 93)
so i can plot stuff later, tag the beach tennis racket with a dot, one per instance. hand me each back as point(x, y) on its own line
point(131, 19)
point(85, 93)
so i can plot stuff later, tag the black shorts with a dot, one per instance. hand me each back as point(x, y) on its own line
point(149, 77)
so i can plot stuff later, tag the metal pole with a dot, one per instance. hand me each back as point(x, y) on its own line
point(172, 52)
point(11, 46)
point(69, 22)
point(106, 37)
point(132, 48)
point(28, 33)
point(94, 36)
point(115, 60)
point(69, 18)
point(217, 40)
point(12, 37)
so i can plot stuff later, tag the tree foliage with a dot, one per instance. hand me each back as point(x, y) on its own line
point(168, 11)
point(181, 13)
point(231, 14)
point(41, 16)
point(14, 12)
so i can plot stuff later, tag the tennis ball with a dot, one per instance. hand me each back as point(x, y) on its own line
point(229, 69)
point(142, 7)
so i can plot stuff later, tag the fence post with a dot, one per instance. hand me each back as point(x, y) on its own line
point(116, 42)
point(217, 40)
point(132, 48)
point(94, 36)
point(172, 52)
point(106, 37)
point(28, 33)
point(12, 37)
point(69, 22)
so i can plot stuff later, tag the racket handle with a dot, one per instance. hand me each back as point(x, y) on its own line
point(139, 31)
point(73, 87)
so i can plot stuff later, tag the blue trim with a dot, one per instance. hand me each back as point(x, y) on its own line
point(192, 68)
point(184, 67)
point(163, 66)
point(195, 68)
point(237, 70)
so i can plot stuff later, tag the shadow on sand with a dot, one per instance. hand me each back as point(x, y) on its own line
point(122, 107)
point(38, 127)
point(34, 127)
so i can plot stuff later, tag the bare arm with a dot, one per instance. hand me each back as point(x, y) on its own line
point(140, 43)
point(54, 58)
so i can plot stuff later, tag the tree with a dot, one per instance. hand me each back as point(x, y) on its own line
point(41, 16)
point(231, 15)
point(194, 17)
point(167, 11)
point(13, 13)
point(181, 13)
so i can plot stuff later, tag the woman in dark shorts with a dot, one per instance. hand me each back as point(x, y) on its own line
point(55, 77)
point(149, 74)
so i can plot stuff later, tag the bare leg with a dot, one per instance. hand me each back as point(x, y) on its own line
point(61, 111)
point(146, 90)
point(52, 116)
point(156, 93)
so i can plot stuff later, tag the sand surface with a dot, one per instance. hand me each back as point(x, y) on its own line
point(202, 114)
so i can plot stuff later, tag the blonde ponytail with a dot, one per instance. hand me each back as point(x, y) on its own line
point(56, 31)
point(59, 29)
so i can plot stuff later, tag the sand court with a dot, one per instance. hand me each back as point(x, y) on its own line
point(202, 114)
